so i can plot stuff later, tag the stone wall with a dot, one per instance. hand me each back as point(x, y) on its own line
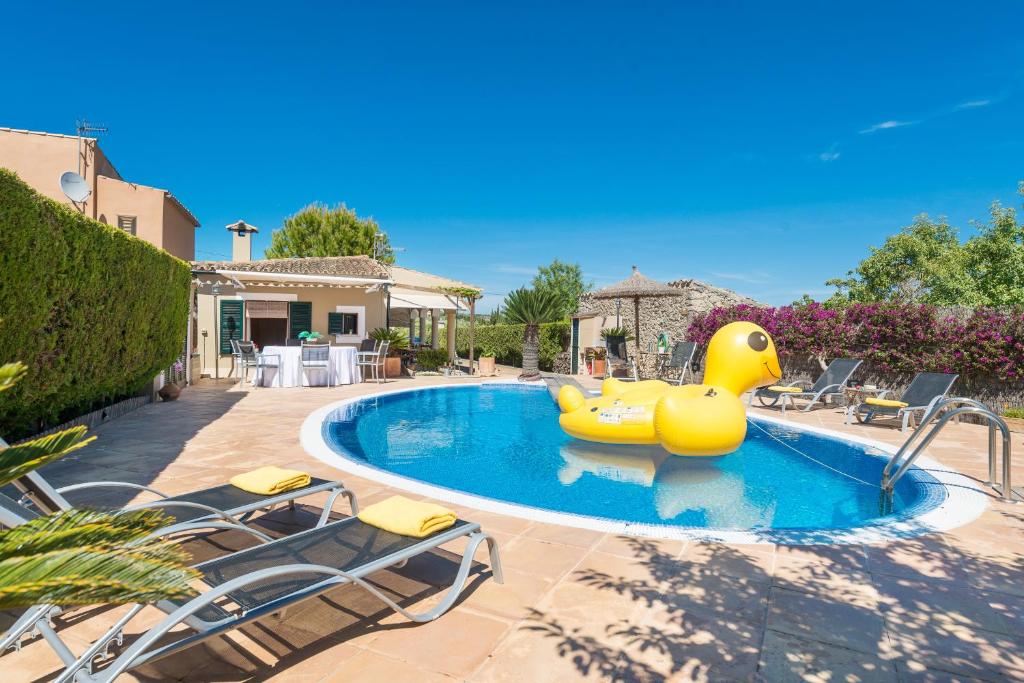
point(671, 314)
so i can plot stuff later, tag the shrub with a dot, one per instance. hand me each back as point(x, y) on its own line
point(431, 359)
point(506, 341)
point(93, 312)
point(900, 338)
point(397, 338)
point(1014, 413)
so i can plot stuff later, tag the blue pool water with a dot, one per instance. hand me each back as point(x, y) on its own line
point(503, 442)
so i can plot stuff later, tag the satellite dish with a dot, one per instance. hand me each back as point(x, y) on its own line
point(74, 187)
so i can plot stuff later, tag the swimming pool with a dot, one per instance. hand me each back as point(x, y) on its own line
point(500, 444)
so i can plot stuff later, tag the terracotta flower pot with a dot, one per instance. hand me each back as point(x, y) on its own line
point(169, 392)
point(486, 366)
point(598, 367)
point(392, 366)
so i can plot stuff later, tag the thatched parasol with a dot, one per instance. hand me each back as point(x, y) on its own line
point(636, 286)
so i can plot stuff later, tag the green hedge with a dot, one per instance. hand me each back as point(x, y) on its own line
point(507, 342)
point(94, 313)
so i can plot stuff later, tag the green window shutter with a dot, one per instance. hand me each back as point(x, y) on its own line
point(232, 322)
point(300, 317)
point(334, 323)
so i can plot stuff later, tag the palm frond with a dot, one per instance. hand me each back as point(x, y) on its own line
point(10, 373)
point(83, 557)
point(531, 306)
point(16, 461)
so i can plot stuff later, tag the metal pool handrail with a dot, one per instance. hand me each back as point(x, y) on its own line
point(965, 406)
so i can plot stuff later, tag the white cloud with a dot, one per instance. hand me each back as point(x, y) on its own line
point(974, 104)
point(828, 156)
point(886, 125)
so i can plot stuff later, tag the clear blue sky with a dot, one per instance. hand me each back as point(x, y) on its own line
point(756, 146)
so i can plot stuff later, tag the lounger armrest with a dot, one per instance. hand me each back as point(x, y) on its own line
point(208, 524)
point(157, 504)
point(883, 393)
point(831, 389)
point(110, 484)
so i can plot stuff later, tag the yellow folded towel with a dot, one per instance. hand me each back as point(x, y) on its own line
point(885, 402)
point(786, 390)
point(400, 515)
point(270, 480)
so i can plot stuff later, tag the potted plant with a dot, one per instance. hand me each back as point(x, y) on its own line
point(487, 361)
point(596, 356)
point(310, 337)
point(170, 390)
point(397, 341)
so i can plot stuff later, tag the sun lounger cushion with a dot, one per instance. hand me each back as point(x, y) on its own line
point(400, 515)
point(885, 403)
point(787, 390)
point(270, 480)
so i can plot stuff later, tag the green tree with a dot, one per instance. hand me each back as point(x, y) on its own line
point(318, 230)
point(995, 257)
point(531, 307)
point(565, 282)
point(922, 263)
point(81, 557)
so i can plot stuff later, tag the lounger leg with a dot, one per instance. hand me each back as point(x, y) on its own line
point(329, 506)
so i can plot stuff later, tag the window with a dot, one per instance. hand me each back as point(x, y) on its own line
point(343, 323)
point(127, 223)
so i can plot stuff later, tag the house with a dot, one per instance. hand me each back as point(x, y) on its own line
point(344, 298)
point(149, 213)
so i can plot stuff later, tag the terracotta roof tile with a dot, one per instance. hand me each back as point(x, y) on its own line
point(337, 266)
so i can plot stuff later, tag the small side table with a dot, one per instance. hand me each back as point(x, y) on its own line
point(855, 397)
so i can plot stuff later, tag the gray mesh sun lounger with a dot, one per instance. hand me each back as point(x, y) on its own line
point(681, 360)
point(924, 391)
point(830, 383)
point(226, 502)
point(617, 355)
point(269, 578)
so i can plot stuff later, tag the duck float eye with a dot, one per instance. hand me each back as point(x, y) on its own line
point(757, 341)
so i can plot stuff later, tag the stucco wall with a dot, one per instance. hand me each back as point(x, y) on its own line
point(179, 235)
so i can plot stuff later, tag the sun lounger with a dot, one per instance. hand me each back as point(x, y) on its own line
point(924, 391)
point(251, 584)
point(681, 360)
point(830, 383)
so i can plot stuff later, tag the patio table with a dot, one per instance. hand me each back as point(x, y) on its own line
point(342, 366)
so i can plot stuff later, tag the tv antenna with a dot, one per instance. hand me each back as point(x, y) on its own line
point(73, 183)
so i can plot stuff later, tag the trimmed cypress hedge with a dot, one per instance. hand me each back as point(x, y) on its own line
point(507, 342)
point(93, 312)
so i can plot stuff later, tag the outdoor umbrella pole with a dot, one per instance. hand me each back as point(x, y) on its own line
point(636, 321)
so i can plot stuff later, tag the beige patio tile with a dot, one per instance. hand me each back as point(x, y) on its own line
point(512, 599)
point(943, 604)
point(454, 645)
point(818, 617)
point(373, 667)
point(552, 533)
point(538, 557)
point(639, 548)
point(786, 657)
point(755, 562)
point(961, 650)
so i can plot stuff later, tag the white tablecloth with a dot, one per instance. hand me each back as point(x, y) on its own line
point(342, 368)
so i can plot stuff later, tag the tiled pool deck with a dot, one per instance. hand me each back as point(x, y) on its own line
point(580, 605)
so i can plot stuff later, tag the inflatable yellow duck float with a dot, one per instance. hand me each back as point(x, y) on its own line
point(693, 419)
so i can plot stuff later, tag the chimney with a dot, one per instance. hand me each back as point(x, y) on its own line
point(241, 240)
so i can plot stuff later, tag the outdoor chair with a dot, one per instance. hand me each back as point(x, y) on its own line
point(249, 357)
point(830, 383)
point(680, 360)
point(374, 360)
point(246, 586)
point(618, 357)
point(236, 358)
point(317, 357)
point(923, 393)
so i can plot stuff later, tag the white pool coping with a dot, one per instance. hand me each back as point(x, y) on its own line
point(965, 499)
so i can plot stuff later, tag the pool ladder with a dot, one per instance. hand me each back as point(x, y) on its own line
point(912, 448)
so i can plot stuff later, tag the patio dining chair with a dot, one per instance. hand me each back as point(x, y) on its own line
point(920, 396)
point(251, 584)
point(618, 357)
point(680, 360)
point(318, 357)
point(828, 385)
point(373, 359)
point(249, 357)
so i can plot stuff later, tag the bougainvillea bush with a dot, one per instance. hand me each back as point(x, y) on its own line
point(892, 337)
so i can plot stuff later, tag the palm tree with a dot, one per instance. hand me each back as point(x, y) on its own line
point(531, 307)
point(81, 557)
